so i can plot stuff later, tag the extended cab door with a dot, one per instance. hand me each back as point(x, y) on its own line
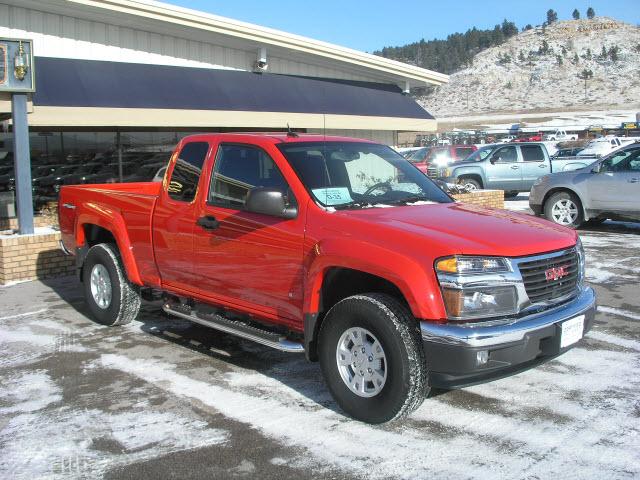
point(503, 170)
point(250, 260)
point(174, 217)
point(534, 164)
point(616, 187)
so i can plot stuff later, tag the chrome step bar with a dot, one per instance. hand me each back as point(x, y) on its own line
point(218, 322)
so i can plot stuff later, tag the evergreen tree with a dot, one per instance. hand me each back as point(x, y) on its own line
point(528, 26)
point(604, 53)
point(614, 53)
point(589, 55)
point(576, 14)
point(552, 16)
point(576, 59)
point(591, 13)
point(521, 56)
point(559, 60)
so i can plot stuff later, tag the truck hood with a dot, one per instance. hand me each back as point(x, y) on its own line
point(467, 229)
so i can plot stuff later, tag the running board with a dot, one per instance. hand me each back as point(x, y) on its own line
point(239, 329)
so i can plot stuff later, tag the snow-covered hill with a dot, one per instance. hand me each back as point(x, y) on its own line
point(539, 70)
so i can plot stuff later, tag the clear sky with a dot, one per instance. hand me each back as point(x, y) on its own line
point(369, 25)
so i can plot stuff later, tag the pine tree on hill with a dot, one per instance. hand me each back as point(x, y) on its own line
point(576, 14)
point(591, 13)
point(552, 16)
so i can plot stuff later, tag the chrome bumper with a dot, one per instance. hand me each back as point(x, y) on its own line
point(509, 330)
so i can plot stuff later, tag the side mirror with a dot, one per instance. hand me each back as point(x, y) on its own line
point(269, 201)
point(596, 168)
point(493, 160)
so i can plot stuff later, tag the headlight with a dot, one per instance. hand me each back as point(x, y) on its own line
point(474, 287)
point(474, 302)
point(462, 265)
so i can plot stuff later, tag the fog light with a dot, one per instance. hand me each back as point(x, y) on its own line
point(482, 357)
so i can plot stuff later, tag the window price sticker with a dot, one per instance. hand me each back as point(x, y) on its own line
point(333, 196)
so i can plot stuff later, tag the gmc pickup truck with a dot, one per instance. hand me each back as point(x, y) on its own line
point(338, 248)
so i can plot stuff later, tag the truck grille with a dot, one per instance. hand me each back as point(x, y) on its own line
point(539, 287)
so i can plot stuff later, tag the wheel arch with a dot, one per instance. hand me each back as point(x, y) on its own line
point(93, 229)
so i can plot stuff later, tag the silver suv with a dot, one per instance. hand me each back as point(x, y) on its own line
point(607, 189)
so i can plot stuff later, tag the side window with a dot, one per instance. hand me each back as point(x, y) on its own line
point(462, 153)
point(186, 172)
point(506, 155)
point(618, 162)
point(532, 153)
point(238, 169)
point(634, 161)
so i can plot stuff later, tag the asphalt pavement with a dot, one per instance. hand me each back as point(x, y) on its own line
point(164, 398)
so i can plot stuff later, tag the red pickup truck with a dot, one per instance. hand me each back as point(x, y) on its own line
point(338, 248)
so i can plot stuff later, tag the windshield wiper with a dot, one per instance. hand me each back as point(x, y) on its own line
point(353, 204)
point(411, 199)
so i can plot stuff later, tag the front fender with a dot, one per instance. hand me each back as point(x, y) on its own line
point(110, 219)
point(469, 170)
point(416, 282)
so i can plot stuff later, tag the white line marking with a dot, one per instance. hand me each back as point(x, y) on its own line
point(618, 312)
point(171, 334)
point(19, 315)
point(615, 340)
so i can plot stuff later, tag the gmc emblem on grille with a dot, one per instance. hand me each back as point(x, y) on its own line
point(556, 273)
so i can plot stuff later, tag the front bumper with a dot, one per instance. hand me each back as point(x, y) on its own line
point(512, 346)
point(536, 198)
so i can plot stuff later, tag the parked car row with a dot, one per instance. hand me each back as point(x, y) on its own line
point(47, 177)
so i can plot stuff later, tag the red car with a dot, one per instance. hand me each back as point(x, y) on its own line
point(536, 137)
point(337, 248)
point(444, 155)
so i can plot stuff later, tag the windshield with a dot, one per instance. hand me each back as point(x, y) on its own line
point(355, 174)
point(480, 154)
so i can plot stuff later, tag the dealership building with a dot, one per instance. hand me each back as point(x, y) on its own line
point(132, 76)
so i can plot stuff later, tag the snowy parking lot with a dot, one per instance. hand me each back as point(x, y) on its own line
point(162, 397)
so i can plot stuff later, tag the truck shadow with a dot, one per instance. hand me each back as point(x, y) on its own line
point(227, 353)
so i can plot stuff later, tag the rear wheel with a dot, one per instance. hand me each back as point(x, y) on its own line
point(564, 208)
point(372, 358)
point(109, 295)
point(470, 183)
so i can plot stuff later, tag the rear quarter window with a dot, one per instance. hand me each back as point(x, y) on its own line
point(187, 170)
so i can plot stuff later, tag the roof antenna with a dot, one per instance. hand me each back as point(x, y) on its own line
point(291, 133)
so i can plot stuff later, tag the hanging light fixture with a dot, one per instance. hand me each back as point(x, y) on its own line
point(20, 63)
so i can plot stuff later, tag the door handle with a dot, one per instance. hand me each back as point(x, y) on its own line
point(542, 165)
point(70, 206)
point(208, 222)
point(634, 180)
point(514, 167)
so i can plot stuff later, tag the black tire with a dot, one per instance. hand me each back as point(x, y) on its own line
point(397, 331)
point(564, 197)
point(471, 182)
point(511, 194)
point(125, 301)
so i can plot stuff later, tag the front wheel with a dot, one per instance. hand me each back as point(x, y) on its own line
point(109, 295)
point(470, 183)
point(565, 209)
point(372, 358)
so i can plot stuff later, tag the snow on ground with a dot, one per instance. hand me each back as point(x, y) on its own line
point(162, 397)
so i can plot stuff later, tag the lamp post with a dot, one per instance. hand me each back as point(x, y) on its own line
point(19, 81)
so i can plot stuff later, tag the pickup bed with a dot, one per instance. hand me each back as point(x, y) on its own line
point(338, 248)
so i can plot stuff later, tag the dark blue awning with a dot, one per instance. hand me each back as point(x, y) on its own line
point(87, 83)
